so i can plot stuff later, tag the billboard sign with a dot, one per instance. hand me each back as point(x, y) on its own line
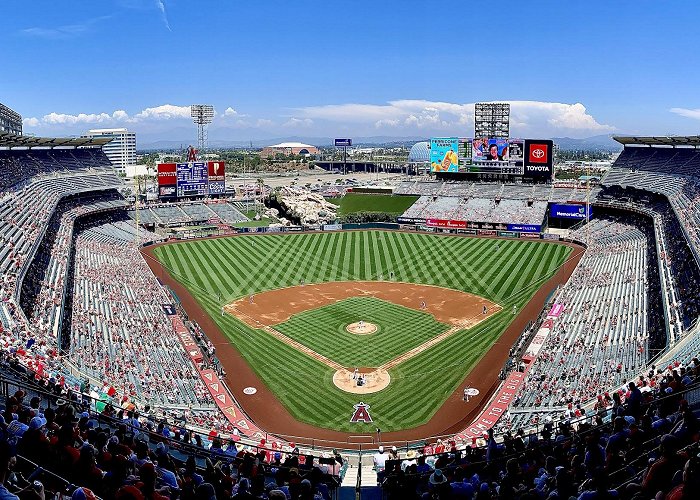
point(342, 143)
point(525, 228)
point(216, 173)
point(450, 224)
point(569, 211)
point(410, 220)
point(443, 154)
point(192, 179)
point(538, 158)
point(167, 180)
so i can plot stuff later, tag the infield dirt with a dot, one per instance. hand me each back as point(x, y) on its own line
point(453, 307)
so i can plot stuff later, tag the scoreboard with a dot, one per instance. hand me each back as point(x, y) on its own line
point(192, 179)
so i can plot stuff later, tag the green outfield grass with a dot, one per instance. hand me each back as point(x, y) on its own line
point(220, 270)
point(356, 202)
point(323, 330)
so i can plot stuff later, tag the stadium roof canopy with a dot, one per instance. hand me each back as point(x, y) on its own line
point(8, 140)
point(420, 152)
point(674, 140)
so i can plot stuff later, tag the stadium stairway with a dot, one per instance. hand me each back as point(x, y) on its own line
point(368, 481)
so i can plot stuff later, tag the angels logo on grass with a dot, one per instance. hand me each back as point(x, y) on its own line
point(361, 413)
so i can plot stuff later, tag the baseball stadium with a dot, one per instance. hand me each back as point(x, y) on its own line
point(483, 313)
point(346, 278)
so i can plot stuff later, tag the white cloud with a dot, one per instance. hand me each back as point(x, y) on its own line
point(688, 113)
point(161, 113)
point(30, 122)
point(527, 117)
point(164, 112)
point(65, 31)
point(298, 123)
point(120, 114)
point(65, 119)
point(229, 112)
point(161, 7)
point(263, 122)
point(388, 123)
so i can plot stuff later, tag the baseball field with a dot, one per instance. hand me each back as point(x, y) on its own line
point(429, 307)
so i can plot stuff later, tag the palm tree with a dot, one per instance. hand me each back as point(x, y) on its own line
point(261, 189)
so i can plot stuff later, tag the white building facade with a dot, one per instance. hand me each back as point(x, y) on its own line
point(121, 150)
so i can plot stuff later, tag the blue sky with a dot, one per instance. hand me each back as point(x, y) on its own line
point(357, 68)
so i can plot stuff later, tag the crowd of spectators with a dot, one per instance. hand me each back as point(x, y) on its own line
point(16, 166)
point(120, 333)
point(503, 211)
point(493, 190)
point(610, 309)
point(637, 443)
point(70, 448)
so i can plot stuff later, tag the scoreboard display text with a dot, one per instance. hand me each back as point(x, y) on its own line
point(192, 179)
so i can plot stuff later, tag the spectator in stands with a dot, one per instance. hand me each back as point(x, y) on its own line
point(380, 459)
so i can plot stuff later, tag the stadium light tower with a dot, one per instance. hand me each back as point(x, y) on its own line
point(202, 115)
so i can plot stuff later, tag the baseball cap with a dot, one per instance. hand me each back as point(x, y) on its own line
point(37, 423)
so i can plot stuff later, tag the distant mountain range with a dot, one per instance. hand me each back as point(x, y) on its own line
point(595, 143)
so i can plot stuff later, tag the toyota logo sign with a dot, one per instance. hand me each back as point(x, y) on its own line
point(538, 153)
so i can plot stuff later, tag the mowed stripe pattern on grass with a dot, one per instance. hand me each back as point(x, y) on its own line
point(323, 330)
point(504, 271)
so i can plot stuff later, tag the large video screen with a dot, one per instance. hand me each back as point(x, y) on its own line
point(191, 179)
point(217, 177)
point(167, 180)
point(444, 154)
point(516, 150)
point(484, 149)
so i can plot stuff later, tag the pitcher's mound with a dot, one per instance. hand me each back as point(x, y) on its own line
point(374, 380)
point(361, 328)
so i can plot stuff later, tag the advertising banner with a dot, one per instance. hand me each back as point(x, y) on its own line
point(508, 234)
point(531, 236)
point(538, 340)
point(167, 180)
point(216, 173)
point(332, 227)
point(443, 154)
point(450, 224)
point(410, 220)
point(538, 158)
point(565, 211)
point(555, 311)
point(551, 236)
point(495, 409)
point(525, 228)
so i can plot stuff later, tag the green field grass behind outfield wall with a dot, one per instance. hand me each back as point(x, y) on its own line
point(354, 202)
